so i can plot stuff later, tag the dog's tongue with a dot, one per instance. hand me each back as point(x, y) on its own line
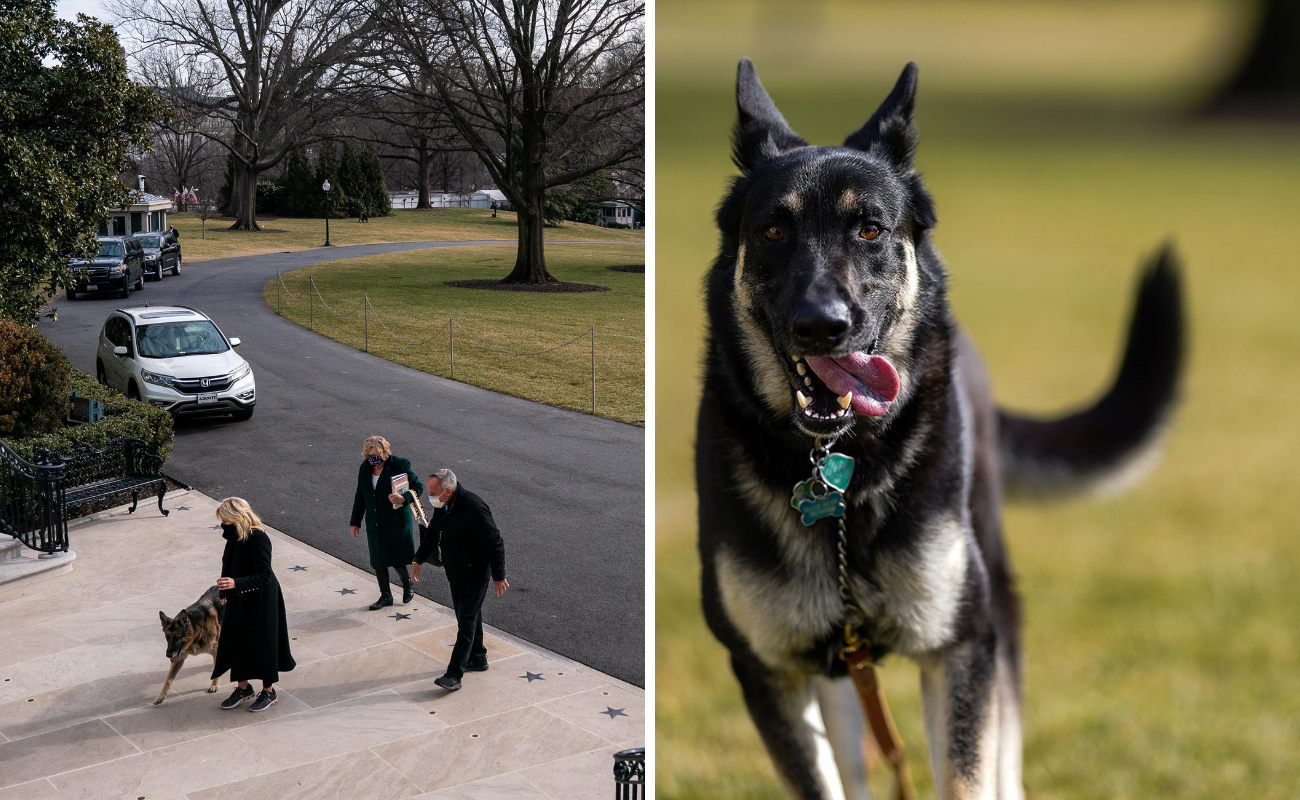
point(872, 379)
point(175, 657)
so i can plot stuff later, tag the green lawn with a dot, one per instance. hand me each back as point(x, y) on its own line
point(409, 295)
point(1161, 655)
point(403, 225)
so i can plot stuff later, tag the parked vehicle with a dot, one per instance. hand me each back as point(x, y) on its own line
point(175, 358)
point(161, 253)
point(119, 266)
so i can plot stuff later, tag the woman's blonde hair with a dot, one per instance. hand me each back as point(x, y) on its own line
point(236, 511)
point(377, 443)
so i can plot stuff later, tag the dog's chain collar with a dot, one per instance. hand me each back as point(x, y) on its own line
point(821, 496)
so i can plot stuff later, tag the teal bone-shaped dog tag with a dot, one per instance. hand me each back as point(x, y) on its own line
point(837, 470)
point(813, 509)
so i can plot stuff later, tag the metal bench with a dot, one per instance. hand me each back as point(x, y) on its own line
point(629, 774)
point(35, 497)
point(120, 467)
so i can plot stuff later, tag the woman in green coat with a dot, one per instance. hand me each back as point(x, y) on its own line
point(390, 532)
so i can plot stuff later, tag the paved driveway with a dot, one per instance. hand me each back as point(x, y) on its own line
point(567, 489)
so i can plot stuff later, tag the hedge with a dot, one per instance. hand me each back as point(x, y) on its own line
point(122, 417)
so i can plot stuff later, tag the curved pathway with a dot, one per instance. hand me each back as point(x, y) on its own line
point(567, 489)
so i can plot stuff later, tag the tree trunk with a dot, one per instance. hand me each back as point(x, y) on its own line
point(530, 258)
point(1268, 78)
point(422, 169)
point(243, 196)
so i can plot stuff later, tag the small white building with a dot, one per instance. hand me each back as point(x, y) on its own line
point(147, 215)
point(620, 212)
point(484, 198)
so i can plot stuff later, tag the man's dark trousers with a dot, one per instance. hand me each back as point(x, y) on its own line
point(467, 595)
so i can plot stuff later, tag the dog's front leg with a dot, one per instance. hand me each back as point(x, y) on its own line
point(213, 688)
point(171, 676)
point(785, 710)
point(961, 699)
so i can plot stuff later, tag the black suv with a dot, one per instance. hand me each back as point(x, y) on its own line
point(161, 253)
point(119, 267)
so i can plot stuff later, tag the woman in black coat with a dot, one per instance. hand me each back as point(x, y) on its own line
point(254, 641)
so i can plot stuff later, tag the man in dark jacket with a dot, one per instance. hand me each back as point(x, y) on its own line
point(472, 553)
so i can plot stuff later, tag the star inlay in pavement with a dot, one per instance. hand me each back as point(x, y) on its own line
point(216, 527)
point(613, 712)
point(346, 591)
point(399, 616)
point(297, 569)
point(183, 508)
point(532, 676)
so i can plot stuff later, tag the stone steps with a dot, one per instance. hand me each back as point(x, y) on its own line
point(19, 565)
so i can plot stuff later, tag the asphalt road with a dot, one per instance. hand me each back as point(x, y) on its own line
point(566, 489)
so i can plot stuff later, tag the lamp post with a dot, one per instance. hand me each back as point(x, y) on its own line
point(326, 187)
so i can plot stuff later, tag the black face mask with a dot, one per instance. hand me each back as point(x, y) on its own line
point(229, 530)
point(374, 460)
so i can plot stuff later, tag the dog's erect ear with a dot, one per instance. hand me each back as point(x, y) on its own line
point(164, 618)
point(761, 132)
point(890, 130)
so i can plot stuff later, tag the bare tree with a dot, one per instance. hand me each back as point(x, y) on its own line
point(273, 68)
point(181, 156)
point(545, 92)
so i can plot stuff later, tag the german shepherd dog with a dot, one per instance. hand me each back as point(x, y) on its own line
point(195, 630)
point(828, 322)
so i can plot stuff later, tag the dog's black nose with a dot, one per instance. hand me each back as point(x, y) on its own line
point(820, 327)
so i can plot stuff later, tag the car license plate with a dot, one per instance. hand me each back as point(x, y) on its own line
point(210, 397)
point(92, 288)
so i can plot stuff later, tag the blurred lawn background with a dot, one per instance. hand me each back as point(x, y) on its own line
point(1161, 656)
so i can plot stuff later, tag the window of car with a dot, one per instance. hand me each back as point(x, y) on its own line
point(110, 249)
point(118, 332)
point(171, 339)
point(150, 242)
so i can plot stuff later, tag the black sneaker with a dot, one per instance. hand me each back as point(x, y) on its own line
point(264, 700)
point(381, 603)
point(447, 682)
point(236, 698)
point(407, 594)
point(477, 666)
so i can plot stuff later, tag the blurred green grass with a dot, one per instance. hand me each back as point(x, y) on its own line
point(1160, 649)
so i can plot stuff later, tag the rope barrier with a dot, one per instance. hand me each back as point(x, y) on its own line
point(513, 353)
point(312, 282)
point(369, 308)
point(395, 336)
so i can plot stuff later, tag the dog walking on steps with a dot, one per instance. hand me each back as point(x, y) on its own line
point(850, 462)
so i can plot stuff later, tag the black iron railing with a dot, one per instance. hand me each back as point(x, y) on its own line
point(629, 774)
point(32, 507)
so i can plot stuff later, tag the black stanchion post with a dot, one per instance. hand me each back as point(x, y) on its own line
point(365, 314)
point(311, 304)
point(451, 345)
point(593, 369)
point(277, 291)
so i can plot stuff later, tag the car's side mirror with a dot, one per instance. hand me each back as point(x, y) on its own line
point(119, 350)
point(234, 341)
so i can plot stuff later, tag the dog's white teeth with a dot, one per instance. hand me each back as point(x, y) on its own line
point(807, 382)
point(800, 368)
point(803, 399)
point(845, 400)
point(795, 359)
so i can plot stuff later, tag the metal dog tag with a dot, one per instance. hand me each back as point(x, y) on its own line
point(836, 469)
point(813, 509)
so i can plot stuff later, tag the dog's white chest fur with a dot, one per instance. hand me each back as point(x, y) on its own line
point(912, 599)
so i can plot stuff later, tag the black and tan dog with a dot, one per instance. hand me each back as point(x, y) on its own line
point(828, 319)
point(195, 630)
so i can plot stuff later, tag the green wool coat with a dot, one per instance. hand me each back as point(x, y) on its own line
point(390, 531)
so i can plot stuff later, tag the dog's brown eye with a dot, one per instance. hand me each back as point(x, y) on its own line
point(869, 232)
point(773, 233)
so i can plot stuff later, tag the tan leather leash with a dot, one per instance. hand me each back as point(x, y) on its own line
point(817, 498)
point(856, 653)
